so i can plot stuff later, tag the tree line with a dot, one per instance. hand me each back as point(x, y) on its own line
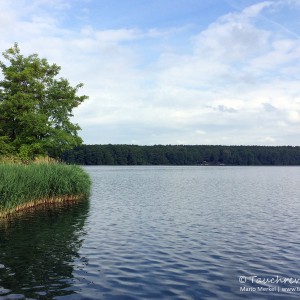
point(182, 155)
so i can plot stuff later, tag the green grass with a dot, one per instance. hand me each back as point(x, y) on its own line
point(34, 183)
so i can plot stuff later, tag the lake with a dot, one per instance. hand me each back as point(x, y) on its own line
point(161, 232)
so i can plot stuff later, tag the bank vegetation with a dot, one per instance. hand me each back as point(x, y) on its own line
point(27, 185)
point(36, 106)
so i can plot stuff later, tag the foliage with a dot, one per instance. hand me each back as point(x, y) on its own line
point(21, 184)
point(182, 155)
point(5, 146)
point(35, 107)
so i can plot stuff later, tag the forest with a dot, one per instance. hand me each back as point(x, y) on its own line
point(182, 155)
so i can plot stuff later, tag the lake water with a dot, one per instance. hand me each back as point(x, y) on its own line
point(155, 232)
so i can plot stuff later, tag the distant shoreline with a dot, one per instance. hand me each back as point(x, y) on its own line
point(190, 155)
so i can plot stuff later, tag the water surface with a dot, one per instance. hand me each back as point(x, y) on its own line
point(161, 233)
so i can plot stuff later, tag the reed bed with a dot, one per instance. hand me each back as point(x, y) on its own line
point(23, 186)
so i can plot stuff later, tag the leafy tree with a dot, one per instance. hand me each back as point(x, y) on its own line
point(35, 106)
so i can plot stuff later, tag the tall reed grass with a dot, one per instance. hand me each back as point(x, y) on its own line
point(24, 186)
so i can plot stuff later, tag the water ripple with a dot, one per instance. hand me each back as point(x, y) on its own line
point(161, 233)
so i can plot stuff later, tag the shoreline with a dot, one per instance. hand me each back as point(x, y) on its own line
point(40, 202)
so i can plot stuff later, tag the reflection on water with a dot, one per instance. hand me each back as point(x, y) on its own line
point(160, 233)
point(37, 250)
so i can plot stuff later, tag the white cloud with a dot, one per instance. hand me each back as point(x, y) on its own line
point(268, 139)
point(255, 9)
point(294, 116)
point(233, 36)
point(283, 52)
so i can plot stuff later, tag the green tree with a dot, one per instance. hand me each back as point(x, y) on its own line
point(35, 106)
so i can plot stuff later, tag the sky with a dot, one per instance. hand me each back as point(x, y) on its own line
point(199, 72)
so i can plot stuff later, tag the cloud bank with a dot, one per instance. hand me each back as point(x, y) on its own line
point(232, 81)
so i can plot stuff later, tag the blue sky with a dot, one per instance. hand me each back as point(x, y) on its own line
point(171, 71)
